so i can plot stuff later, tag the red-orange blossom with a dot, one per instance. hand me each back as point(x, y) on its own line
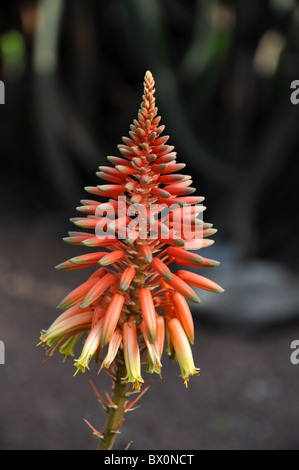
point(133, 299)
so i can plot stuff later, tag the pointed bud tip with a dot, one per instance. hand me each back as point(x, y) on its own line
point(59, 267)
point(61, 305)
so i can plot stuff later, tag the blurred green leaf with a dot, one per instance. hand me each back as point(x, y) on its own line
point(12, 47)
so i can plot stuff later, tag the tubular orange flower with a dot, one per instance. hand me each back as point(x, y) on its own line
point(67, 348)
point(79, 321)
point(77, 294)
point(99, 241)
point(76, 238)
point(126, 278)
point(148, 312)
point(112, 258)
point(184, 315)
point(180, 253)
point(91, 345)
point(199, 281)
point(70, 312)
point(162, 269)
point(153, 359)
point(111, 318)
point(98, 313)
point(160, 335)
point(148, 227)
point(146, 253)
point(131, 354)
point(113, 348)
point(182, 349)
point(97, 289)
point(179, 285)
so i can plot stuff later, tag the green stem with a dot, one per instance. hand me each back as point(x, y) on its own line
point(115, 414)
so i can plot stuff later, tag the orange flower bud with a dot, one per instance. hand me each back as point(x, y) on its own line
point(111, 318)
point(97, 290)
point(199, 281)
point(72, 324)
point(162, 269)
point(76, 295)
point(184, 315)
point(179, 285)
point(111, 258)
point(126, 278)
point(146, 253)
point(112, 348)
point(148, 312)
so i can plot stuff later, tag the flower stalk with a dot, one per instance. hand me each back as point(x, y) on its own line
point(115, 410)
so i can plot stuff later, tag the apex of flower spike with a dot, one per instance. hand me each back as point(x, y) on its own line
point(149, 79)
point(148, 75)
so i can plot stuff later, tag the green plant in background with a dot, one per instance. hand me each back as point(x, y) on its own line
point(13, 53)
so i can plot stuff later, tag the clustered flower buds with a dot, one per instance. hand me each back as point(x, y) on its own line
point(133, 300)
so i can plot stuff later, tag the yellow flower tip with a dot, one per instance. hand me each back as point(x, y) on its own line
point(185, 381)
point(76, 371)
point(148, 75)
point(157, 371)
point(133, 378)
point(137, 384)
point(80, 367)
point(186, 378)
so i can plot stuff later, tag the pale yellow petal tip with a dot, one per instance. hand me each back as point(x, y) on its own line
point(148, 75)
point(79, 367)
point(186, 379)
point(137, 385)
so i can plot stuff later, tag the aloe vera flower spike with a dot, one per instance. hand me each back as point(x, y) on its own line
point(133, 300)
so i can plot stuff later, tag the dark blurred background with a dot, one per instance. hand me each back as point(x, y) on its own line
point(73, 74)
